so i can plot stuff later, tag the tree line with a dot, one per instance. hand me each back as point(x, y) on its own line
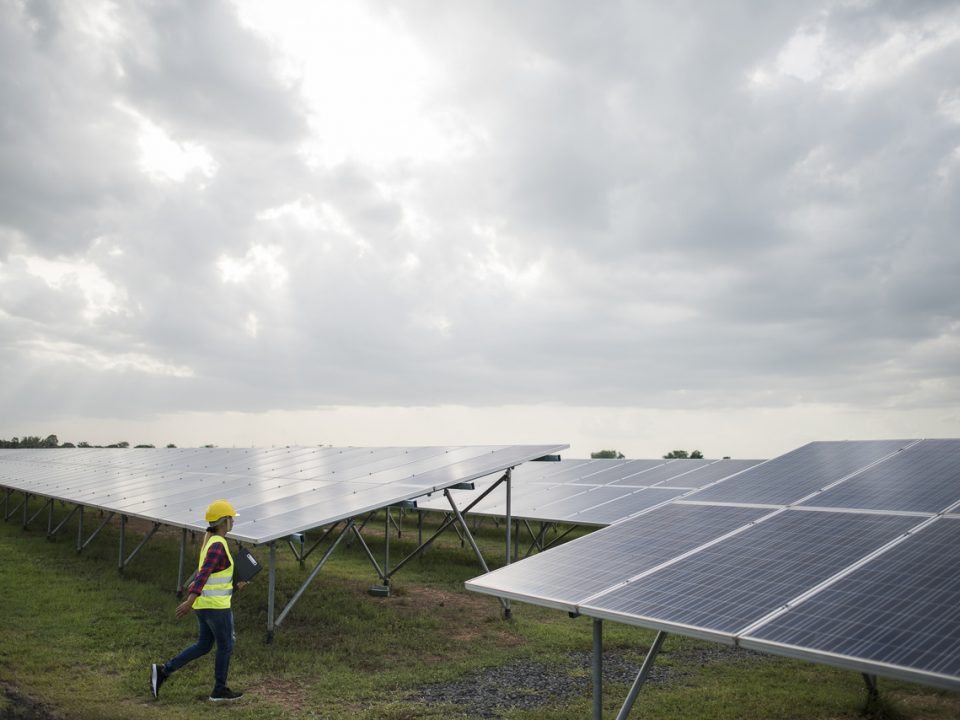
point(51, 441)
point(672, 455)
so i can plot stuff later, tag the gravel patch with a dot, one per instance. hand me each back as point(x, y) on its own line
point(528, 684)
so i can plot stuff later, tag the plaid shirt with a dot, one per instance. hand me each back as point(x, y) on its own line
point(215, 561)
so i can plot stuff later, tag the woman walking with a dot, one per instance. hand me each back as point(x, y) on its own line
point(209, 595)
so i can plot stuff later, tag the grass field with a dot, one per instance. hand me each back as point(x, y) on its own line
point(77, 639)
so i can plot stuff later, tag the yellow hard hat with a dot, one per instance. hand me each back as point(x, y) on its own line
point(219, 509)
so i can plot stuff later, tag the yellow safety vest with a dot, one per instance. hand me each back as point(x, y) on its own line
point(217, 591)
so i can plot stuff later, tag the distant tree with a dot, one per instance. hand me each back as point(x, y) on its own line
point(144, 446)
point(121, 444)
point(83, 444)
point(68, 445)
point(209, 446)
point(607, 455)
point(51, 441)
point(683, 455)
point(171, 445)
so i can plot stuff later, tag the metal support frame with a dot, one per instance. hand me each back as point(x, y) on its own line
point(508, 476)
point(642, 675)
point(45, 506)
point(123, 535)
point(272, 623)
point(537, 538)
point(58, 528)
point(181, 561)
point(559, 537)
point(7, 515)
point(138, 548)
point(82, 545)
point(449, 519)
point(597, 671)
point(873, 692)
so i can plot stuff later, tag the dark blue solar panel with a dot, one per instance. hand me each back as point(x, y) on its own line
point(923, 478)
point(902, 608)
point(795, 475)
point(728, 586)
point(574, 571)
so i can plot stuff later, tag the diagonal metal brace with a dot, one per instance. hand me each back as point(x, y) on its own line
point(63, 522)
point(447, 522)
point(469, 536)
point(642, 675)
point(313, 573)
point(96, 532)
point(138, 548)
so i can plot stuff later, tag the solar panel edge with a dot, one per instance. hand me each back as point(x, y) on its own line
point(657, 624)
point(550, 602)
point(849, 662)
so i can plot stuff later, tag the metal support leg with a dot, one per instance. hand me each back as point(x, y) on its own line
point(180, 561)
point(383, 590)
point(597, 669)
point(386, 548)
point(123, 533)
point(26, 507)
point(873, 692)
point(508, 476)
point(509, 514)
point(271, 589)
point(419, 527)
point(642, 675)
point(9, 514)
point(80, 530)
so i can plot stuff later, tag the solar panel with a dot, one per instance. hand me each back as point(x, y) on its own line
point(728, 586)
point(276, 491)
point(901, 610)
point(921, 478)
point(862, 574)
point(566, 575)
point(592, 492)
point(800, 472)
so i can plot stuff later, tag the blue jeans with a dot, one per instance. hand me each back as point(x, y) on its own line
point(214, 626)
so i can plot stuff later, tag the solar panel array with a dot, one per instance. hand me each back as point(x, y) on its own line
point(276, 491)
point(592, 492)
point(838, 552)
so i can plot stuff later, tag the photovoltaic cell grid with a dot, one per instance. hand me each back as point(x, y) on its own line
point(861, 575)
point(798, 473)
point(275, 492)
point(592, 492)
point(727, 587)
point(902, 609)
point(569, 574)
point(925, 480)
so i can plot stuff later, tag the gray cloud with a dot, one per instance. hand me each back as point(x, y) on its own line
point(649, 211)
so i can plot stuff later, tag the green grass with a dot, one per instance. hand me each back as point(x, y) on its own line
point(78, 636)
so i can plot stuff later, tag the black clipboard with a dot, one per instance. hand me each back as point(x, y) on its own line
point(245, 565)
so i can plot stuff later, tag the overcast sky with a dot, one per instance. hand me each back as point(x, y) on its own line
point(732, 226)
